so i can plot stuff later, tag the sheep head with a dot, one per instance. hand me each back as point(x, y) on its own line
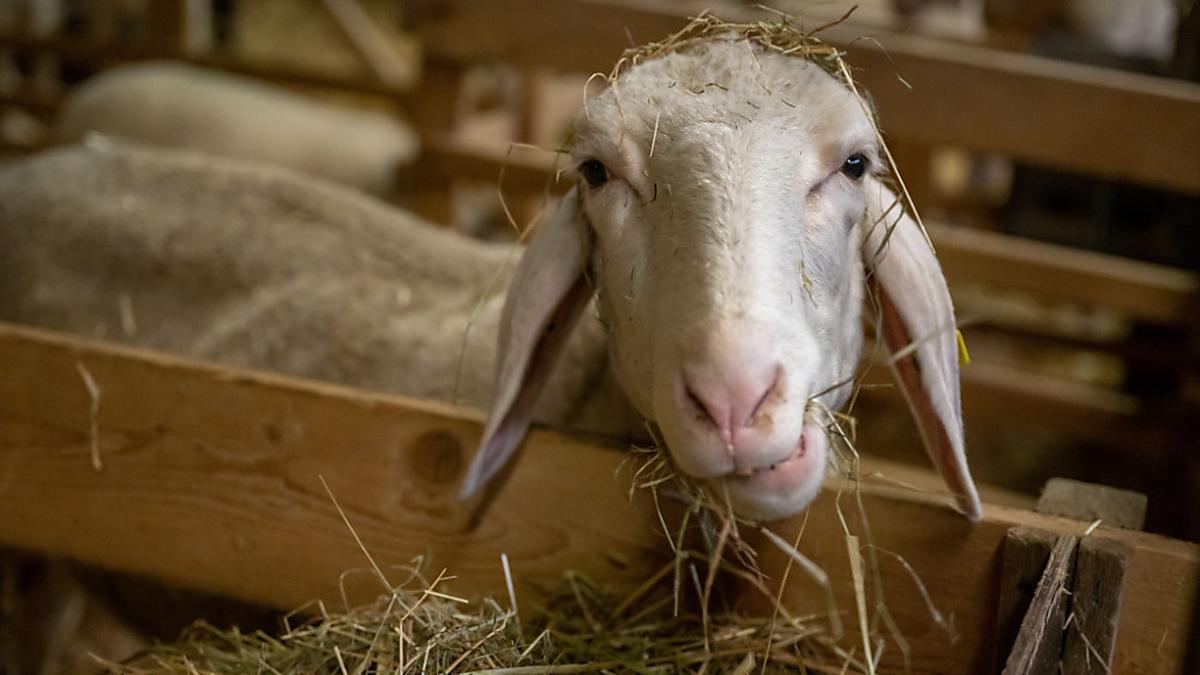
point(725, 207)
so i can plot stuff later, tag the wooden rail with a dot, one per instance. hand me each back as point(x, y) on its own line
point(209, 478)
point(1075, 117)
point(101, 52)
point(1139, 290)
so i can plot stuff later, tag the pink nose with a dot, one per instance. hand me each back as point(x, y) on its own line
point(735, 398)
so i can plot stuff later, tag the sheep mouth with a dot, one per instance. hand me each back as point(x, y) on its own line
point(786, 487)
point(798, 453)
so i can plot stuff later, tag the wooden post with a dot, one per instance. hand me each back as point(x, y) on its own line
point(1090, 502)
point(1100, 568)
point(1038, 647)
point(436, 108)
point(180, 27)
point(1095, 606)
point(8, 70)
point(45, 20)
point(1026, 552)
point(1093, 582)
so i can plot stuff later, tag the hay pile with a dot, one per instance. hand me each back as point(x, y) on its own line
point(581, 630)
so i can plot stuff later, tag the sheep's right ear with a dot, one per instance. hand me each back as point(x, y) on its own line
point(548, 292)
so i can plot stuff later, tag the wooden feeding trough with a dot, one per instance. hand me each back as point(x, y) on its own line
point(210, 477)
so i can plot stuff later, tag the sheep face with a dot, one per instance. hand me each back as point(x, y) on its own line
point(724, 189)
point(724, 213)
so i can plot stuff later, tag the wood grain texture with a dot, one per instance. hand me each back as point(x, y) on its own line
point(1038, 647)
point(1089, 502)
point(209, 479)
point(1100, 567)
point(1063, 115)
point(1026, 552)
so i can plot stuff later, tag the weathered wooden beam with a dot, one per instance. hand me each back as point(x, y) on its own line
point(1082, 631)
point(1038, 647)
point(211, 478)
point(1069, 116)
point(1090, 502)
point(1100, 568)
point(1100, 571)
point(1025, 554)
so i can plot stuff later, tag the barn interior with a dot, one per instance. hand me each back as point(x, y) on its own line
point(1051, 149)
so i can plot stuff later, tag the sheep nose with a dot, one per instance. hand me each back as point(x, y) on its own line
point(736, 398)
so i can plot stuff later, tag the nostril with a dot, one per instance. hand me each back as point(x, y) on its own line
point(733, 400)
point(762, 399)
point(718, 416)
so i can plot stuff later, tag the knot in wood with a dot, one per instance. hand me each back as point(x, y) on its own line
point(437, 457)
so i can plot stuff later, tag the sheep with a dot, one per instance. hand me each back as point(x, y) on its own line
point(726, 203)
point(180, 106)
point(254, 265)
point(705, 274)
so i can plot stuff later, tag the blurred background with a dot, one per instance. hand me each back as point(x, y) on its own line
point(1052, 147)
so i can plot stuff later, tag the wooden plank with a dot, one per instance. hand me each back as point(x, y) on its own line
point(1090, 502)
point(93, 52)
point(1100, 570)
point(439, 108)
point(1100, 567)
point(1140, 290)
point(368, 41)
point(179, 26)
point(1069, 116)
point(1026, 552)
point(1038, 648)
point(210, 479)
point(45, 18)
point(515, 169)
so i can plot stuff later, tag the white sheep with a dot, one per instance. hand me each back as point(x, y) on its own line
point(180, 106)
point(254, 265)
point(727, 203)
point(726, 207)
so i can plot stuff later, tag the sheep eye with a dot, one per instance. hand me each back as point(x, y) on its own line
point(594, 172)
point(855, 166)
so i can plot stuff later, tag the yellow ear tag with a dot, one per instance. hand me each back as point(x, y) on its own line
point(964, 357)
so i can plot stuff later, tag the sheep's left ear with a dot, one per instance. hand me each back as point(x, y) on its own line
point(917, 325)
point(547, 294)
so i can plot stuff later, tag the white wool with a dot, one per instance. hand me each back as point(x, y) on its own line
point(179, 106)
point(253, 265)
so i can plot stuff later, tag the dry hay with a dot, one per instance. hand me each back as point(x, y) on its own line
point(582, 629)
point(664, 626)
